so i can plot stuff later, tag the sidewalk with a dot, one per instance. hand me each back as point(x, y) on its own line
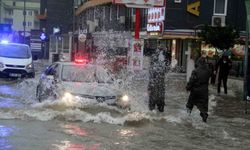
point(231, 105)
point(228, 106)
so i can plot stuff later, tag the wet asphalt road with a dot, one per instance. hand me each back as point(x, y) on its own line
point(28, 125)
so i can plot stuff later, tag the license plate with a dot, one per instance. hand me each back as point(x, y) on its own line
point(14, 75)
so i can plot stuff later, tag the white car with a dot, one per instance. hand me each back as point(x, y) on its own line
point(67, 80)
point(16, 60)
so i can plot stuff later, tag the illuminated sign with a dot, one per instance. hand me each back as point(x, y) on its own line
point(193, 8)
point(140, 3)
point(156, 14)
point(155, 27)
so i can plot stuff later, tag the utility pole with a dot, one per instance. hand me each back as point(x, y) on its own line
point(73, 20)
point(73, 49)
point(1, 11)
point(24, 19)
point(246, 67)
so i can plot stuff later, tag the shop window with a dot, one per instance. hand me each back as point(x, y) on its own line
point(110, 13)
point(117, 12)
point(220, 7)
point(144, 19)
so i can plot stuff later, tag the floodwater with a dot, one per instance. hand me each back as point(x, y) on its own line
point(26, 124)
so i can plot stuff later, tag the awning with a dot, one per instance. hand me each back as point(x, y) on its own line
point(89, 4)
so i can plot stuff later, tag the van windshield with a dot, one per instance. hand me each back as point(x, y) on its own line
point(14, 51)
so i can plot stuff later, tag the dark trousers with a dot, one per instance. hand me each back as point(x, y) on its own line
point(224, 79)
point(200, 100)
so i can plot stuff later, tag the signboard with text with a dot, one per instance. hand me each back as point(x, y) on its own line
point(155, 27)
point(140, 3)
point(135, 56)
point(156, 14)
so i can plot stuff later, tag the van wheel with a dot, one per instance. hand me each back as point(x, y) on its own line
point(31, 75)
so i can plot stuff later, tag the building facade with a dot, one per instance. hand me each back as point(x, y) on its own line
point(56, 14)
point(12, 13)
point(183, 18)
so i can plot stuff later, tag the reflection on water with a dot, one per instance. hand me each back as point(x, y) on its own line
point(5, 133)
point(75, 130)
point(67, 145)
point(127, 132)
point(7, 90)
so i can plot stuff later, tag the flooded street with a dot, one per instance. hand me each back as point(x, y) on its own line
point(26, 124)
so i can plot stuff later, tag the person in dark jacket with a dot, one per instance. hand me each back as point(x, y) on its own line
point(156, 86)
point(222, 70)
point(198, 87)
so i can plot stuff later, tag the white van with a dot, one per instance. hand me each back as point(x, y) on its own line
point(16, 60)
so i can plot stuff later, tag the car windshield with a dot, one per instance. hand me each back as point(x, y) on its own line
point(103, 76)
point(14, 51)
point(85, 73)
point(78, 73)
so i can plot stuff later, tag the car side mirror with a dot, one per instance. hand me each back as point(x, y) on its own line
point(50, 77)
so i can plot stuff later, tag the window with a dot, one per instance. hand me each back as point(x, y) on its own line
point(14, 51)
point(117, 12)
point(36, 12)
point(14, 3)
point(220, 7)
point(30, 13)
point(29, 24)
point(110, 13)
point(144, 18)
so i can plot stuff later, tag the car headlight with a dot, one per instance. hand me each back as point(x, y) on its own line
point(1, 65)
point(29, 66)
point(125, 98)
point(68, 99)
point(67, 96)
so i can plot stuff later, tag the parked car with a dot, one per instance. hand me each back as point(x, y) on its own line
point(16, 60)
point(69, 80)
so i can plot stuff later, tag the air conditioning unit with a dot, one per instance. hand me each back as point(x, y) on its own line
point(218, 21)
point(122, 19)
point(177, 1)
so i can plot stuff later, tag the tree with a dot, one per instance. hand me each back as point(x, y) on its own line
point(221, 38)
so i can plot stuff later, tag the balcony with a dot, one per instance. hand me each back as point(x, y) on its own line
point(41, 16)
point(89, 4)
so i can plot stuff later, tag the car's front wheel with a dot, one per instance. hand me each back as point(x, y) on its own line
point(38, 93)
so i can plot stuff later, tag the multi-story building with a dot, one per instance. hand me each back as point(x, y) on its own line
point(12, 12)
point(183, 18)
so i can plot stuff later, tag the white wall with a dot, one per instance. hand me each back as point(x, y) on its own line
point(18, 17)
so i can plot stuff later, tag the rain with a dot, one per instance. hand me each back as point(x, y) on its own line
point(89, 88)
